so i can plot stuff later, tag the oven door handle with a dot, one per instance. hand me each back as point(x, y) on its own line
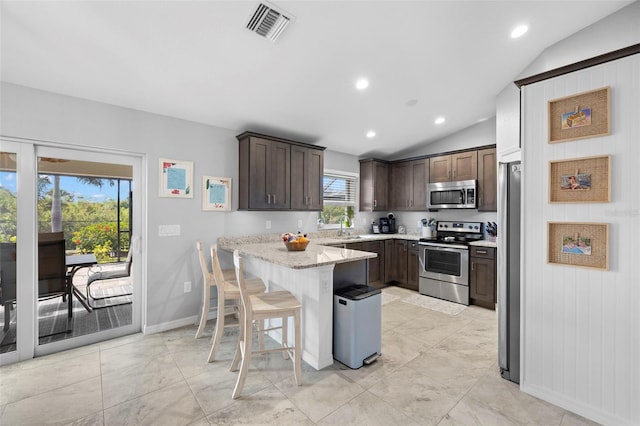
point(447, 249)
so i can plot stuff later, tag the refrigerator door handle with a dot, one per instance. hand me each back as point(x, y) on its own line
point(502, 266)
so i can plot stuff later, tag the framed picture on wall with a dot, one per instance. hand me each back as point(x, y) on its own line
point(580, 116)
point(579, 244)
point(216, 193)
point(580, 180)
point(176, 178)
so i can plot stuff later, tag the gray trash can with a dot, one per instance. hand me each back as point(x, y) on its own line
point(357, 325)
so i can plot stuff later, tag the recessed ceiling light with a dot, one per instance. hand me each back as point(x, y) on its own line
point(439, 120)
point(519, 31)
point(371, 134)
point(362, 84)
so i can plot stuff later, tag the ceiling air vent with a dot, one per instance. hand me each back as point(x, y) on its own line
point(268, 22)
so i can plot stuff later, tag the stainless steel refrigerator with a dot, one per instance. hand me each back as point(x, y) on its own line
point(509, 271)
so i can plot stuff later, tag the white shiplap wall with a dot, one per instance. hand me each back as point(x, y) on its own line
point(581, 327)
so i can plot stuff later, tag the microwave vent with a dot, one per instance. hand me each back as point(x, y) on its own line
point(268, 22)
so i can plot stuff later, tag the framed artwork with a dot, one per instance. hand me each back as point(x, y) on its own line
point(584, 245)
point(580, 180)
point(580, 116)
point(216, 193)
point(176, 178)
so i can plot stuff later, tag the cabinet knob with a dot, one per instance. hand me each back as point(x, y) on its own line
point(473, 266)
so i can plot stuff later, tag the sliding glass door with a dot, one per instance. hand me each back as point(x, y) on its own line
point(72, 238)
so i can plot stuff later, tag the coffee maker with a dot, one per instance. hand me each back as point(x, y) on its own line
point(388, 224)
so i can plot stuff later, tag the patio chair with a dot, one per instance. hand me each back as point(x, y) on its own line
point(99, 274)
point(7, 280)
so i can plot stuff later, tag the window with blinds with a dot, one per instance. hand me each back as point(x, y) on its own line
point(339, 193)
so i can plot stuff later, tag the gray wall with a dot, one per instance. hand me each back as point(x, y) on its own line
point(480, 134)
point(37, 115)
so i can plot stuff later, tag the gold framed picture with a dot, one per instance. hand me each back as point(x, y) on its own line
point(581, 244)
point(580, 116)
point(580, 180)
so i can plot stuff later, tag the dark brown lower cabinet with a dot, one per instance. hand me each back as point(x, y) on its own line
point(482, 276)
point(413, 265)
point(401, 263)
point(376, 264)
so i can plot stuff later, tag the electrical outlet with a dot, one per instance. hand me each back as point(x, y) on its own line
point(300, 224)
point(268, 224)
point(187, 286)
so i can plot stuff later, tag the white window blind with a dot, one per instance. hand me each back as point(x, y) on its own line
point(339, 189)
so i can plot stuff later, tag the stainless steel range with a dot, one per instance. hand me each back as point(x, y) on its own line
point(444, 261)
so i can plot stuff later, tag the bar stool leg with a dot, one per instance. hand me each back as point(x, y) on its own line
point(245, 349)
point(219, 331)
point(285, 336)
point(205, 310)
point(297, 356)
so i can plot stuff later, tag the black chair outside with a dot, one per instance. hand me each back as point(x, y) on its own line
point(52, 273)
point(52, 268)
point(7, 280)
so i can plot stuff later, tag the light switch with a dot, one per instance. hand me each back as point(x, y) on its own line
point(169, 230)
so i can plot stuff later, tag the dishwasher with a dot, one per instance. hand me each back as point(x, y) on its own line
point(357, 325)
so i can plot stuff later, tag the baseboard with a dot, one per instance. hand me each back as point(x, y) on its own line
point(183, 322)
point(575, 406)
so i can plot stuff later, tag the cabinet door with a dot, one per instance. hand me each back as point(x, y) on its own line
point(306, 178)
point(399, 190)
point(440, 169)
point(376, 265)
point(315, 173)
point(400, 260)
point(418, 174)
point(482, 280)
point(279, 171)
point(487, 180)
point(389, 261)
point(413, 266)
point(464, 165)
point(381, 186)
point(259, 173)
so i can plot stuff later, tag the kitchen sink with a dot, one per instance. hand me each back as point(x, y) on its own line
point(357, 237)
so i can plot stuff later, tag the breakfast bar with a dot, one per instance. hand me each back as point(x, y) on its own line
point(309, 276)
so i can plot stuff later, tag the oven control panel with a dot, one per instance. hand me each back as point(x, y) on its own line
point(468, 227)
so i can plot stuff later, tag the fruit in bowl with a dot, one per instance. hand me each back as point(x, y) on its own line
point(295, 242)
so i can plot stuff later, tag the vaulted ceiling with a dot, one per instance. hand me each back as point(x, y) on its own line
point(197, 61)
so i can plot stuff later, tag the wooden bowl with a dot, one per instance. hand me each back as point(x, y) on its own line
point(293, 246)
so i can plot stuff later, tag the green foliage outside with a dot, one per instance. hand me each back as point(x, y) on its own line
point(8, 212)
point(88, 226)
point(99, 239)
point(333, 215)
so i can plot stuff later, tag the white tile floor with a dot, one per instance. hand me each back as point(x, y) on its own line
point(435, 369)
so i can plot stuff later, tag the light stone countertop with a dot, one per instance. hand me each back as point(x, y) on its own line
point(484, 243)
point(270, 248)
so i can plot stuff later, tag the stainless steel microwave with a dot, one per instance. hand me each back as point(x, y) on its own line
point(452, 195)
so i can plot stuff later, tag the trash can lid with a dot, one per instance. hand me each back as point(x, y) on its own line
point(357, 291)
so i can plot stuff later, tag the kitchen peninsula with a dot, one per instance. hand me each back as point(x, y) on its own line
point(309, 275)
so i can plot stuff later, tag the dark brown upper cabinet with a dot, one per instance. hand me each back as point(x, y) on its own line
point(452, 167)
point(408, 188)
point(487, 180)
point(265, 178)
point(307, 169)
point(374, 185)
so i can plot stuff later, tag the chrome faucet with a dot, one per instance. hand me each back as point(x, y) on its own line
point(342, 219)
